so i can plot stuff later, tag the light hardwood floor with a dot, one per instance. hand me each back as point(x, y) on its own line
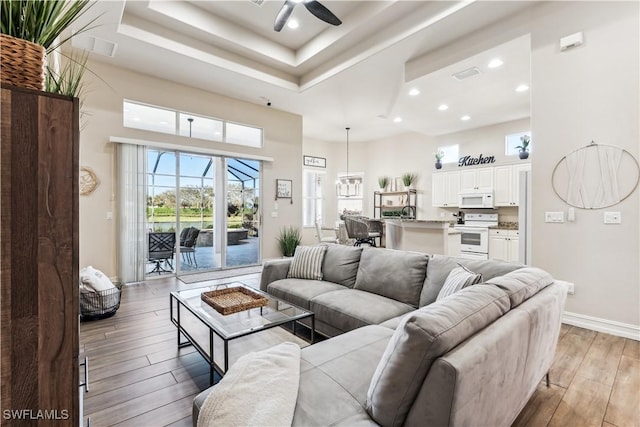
point(139, 378)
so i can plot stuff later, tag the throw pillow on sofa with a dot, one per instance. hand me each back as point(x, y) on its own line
point(460, 277)
point(307, 263)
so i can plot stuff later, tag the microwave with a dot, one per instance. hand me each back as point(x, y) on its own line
point(475, 200)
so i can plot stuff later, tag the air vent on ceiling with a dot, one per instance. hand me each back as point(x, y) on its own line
point(258, 2)
point(464, 74)
point(94, 44)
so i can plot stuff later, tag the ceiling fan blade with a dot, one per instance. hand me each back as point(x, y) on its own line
point(284, 14)
point(322, 12)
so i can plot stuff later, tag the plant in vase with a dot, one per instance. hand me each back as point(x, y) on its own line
point(408, 179)
point(439, 156)
point(383, 181)
point(288, 240)
point(524, 147)
point(31, 30)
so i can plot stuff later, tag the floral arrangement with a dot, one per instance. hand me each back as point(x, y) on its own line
point(439, 155)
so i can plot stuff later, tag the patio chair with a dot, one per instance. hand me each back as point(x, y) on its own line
point(161, 246)
point(360, 230)
point(325, 239)
point(188, 245)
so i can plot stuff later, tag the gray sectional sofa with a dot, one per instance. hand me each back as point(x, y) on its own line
point(397, 356)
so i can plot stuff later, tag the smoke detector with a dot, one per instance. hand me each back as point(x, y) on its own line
point(465, 74)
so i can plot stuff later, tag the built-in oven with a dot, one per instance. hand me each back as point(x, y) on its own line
point(474, 241)
point(474, 235)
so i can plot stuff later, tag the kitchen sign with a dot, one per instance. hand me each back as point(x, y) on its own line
point(473, 161)
point(318, 162)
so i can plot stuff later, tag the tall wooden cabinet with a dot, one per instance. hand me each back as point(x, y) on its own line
point(39, 257)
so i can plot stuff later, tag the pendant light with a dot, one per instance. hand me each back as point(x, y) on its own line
point(346, 187)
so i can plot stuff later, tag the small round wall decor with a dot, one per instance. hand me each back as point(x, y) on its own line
point(88, 181)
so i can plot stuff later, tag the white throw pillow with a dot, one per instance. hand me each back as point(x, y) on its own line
point(307, 262)
point(459, 278)
point(93, 280)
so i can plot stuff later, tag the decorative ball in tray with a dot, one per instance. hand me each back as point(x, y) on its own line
point(233, 300)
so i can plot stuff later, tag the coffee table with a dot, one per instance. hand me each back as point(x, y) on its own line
point(202, 325)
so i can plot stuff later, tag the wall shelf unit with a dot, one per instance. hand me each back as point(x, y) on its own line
point(390, 204)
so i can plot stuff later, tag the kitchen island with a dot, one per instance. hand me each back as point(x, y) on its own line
point(427, 236)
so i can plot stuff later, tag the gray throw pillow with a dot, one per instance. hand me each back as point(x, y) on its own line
point(460, 277)
point(307, 263)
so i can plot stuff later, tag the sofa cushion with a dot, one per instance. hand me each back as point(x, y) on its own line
point(335, 375)
point(420, 338)
point(522, 284)
point(458, 278)
point(301, 291)
point(307, 262)
point(352, 308)
point(394, 274)
point(341, 264)
point(440, 265)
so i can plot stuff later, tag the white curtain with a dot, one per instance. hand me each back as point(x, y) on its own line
point(132, 205)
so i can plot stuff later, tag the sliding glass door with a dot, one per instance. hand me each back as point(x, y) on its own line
point(243, 213)
point(189, 229)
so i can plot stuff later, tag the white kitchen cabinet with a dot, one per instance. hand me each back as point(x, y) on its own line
point(503, 245)
point(507, 184)
point(477, 180)
point(445, 189)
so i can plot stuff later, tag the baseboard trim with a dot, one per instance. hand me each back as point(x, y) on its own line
point(602, 325)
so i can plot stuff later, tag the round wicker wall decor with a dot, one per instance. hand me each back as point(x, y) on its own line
point(88, 181)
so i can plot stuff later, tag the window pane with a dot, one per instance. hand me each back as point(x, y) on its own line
point(200, 127)
point(451, 153)
point(514, 140)
point(146, 117)
point(244, 135)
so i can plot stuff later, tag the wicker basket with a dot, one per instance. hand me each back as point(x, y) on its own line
point(233, 300)
point(22, 63)
point(99, 305)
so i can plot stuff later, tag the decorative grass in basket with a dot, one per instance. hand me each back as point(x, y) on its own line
point(233, 300)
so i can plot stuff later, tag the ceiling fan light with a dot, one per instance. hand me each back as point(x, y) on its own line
point(293, 24)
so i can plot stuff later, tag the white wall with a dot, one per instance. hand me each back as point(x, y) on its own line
point(103, 105)
point(588, 93)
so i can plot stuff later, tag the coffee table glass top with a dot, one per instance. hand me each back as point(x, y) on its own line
point(276, 312)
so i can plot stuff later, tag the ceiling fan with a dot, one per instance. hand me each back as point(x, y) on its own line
point(313, 6)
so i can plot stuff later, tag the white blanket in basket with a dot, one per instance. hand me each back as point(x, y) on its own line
point(260, 389)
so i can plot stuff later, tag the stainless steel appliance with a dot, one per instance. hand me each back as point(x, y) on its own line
point(482, 200)
point(474, 238)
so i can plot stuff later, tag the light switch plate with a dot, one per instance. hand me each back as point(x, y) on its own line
point(554, 217)
point(612, 218)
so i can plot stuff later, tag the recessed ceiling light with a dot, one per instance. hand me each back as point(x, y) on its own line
point(397, 120)
point(522, 88)
point(495, 63)
point(414, 92)
point(164, 122)
point(293, 24)
point(465, 118)
point(443, 107)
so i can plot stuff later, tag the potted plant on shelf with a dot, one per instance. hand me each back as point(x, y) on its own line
point(439, 156)
point(408, 179)
point(524, 147)
point(383, 181)
point(288, 240)
point(32, 29)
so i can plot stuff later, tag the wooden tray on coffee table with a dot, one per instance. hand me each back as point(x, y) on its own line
point(233, 300)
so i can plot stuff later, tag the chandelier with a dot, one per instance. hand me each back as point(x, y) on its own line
point(346, 185)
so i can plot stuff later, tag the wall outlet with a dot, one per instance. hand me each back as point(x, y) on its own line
point(109, 215)
point(612, 217)
point(554, 217)
point(274, 214)
point(571, 289)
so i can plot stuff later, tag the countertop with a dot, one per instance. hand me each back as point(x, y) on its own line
point(506, 226)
